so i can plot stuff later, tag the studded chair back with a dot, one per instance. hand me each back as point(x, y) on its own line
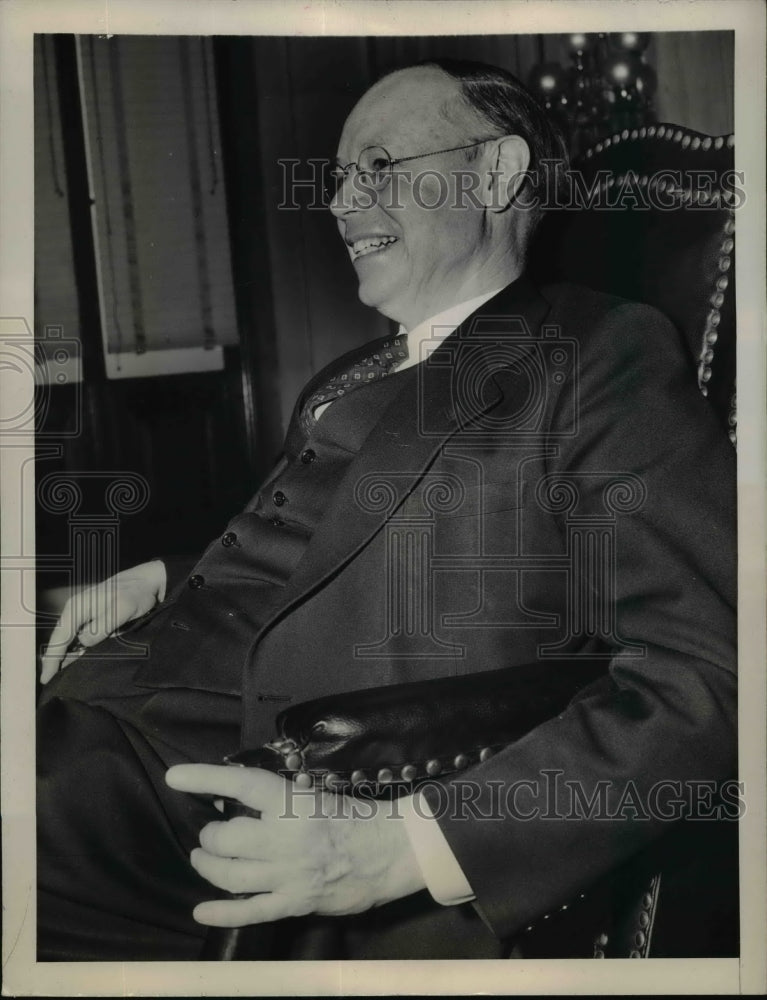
point(654, 222)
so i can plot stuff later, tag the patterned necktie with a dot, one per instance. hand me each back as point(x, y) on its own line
point(371, 368)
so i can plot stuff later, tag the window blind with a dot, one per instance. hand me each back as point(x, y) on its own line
point(159, 201)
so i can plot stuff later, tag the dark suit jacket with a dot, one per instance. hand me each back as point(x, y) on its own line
point(556, 426)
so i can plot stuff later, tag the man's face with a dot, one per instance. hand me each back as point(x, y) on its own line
point(422, 257)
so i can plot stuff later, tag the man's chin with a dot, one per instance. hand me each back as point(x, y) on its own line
point(373, 295)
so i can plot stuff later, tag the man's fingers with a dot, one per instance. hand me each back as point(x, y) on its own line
point(85, 618)
point(260, 909)
point(252, 786)
point(235, 874)
point(96, 631)
point(209, 779)
point(59, 653)
point(51, 662)
point(60, 640)
point(241, 837)
point(93, 614)
point(71, 657)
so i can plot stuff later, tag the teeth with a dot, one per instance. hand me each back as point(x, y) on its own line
point(371, 244)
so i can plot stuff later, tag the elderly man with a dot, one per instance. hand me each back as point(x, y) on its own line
point(434, 181)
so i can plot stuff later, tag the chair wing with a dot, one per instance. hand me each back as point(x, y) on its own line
point(649, 215)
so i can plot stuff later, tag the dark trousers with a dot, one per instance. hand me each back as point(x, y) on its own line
point(114, 878)
point(115, 882)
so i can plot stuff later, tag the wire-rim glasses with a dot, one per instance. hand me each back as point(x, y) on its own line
point(374, 166)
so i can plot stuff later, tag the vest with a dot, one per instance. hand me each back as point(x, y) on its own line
point(240, 577)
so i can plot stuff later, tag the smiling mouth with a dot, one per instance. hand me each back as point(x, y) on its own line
point(370, 245)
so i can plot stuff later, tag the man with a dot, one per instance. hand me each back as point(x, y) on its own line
point(524, 406)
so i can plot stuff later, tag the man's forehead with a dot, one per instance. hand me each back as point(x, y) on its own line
point(404, 107)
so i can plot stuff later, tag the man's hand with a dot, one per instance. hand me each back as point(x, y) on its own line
point(308, 852)
point(92, 614)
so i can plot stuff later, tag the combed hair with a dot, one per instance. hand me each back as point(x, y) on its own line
point(506, 104)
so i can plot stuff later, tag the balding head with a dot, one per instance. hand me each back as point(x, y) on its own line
point(422, 101)
point(440, 230)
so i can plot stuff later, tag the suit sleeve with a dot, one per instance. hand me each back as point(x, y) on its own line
point(664, 717)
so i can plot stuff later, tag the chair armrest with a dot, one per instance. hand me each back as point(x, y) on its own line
point(383, 741)
point(390, 738)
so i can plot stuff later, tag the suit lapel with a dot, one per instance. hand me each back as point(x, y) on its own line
point(407, 438)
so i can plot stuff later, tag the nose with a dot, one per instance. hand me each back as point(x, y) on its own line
point(352, 195)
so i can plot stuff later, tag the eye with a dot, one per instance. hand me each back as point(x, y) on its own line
point(378, 165)
point(374, 164)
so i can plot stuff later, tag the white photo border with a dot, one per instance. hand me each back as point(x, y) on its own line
point(19, 21)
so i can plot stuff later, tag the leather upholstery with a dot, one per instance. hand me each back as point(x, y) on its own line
point(655, 223)
point(385, 741)
point(400, 734)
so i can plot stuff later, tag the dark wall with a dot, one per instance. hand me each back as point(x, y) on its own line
point(203, 441)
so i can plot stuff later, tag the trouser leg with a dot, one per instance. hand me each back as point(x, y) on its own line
point(114, 878)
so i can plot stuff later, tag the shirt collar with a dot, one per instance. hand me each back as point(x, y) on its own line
point(433, 330)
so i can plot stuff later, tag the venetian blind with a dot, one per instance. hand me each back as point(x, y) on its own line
point(154, 151)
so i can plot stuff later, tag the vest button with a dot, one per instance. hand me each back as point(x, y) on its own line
point(229, 539)
point(196, 581)
point(308, 456)
point(279, 498)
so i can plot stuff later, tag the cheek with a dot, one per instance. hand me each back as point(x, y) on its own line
point(430, 192)
point(436, 233)
point(449, 235)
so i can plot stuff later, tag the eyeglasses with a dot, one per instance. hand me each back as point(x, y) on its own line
point(374, 166)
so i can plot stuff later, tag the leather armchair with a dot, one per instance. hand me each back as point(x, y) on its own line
point(671, 245)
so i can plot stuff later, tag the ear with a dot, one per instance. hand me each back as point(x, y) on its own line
point(511, 161)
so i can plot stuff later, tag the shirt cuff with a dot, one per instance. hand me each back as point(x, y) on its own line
point(443, 875)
